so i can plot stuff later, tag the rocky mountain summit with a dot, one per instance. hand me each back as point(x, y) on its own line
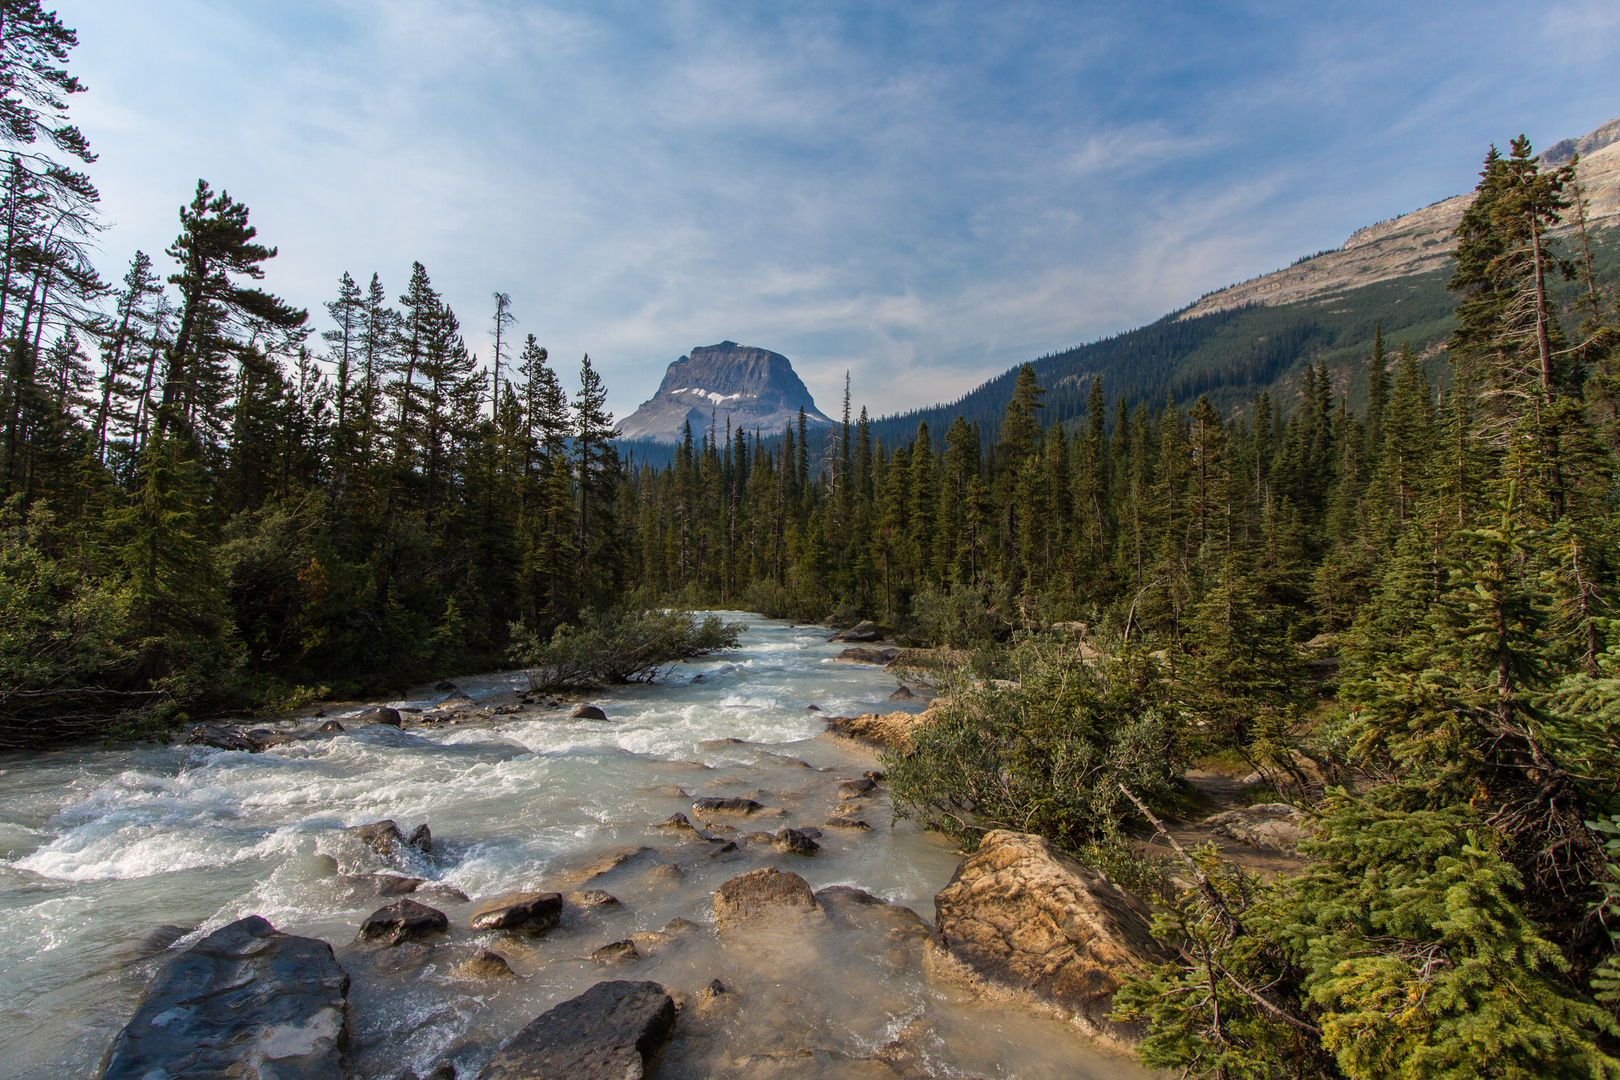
point(750, 387)
point(1421, 241)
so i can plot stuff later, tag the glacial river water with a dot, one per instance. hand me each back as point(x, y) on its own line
point(111, 857)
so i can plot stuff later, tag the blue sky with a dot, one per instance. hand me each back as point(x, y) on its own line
point(920, 194)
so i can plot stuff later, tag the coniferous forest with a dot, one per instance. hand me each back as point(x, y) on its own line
point(215, 501)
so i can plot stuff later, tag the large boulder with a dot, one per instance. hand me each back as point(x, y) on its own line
point(764, 895)
point(386, 838)
point(528, 913)
point(380, 714)
point(247, 1000)
point(1021, 913)
point(861, 631)
point(890, 731)
point(1276, 826)
point(613, 1031)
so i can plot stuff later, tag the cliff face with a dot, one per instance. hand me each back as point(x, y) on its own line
point(752, 387)
point(1421, 241)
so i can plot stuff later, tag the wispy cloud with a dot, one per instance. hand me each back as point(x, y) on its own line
point(921, 194)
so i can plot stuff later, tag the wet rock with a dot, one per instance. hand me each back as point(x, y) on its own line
point(161, 938)
point(588, 712)
point(441, 892)
point(455, 697)
point(715, 744)
point(246, 1000)
point(484, 964)
point(592, 898)
point(421, 839)
point(795, 842)
point(527, 913)
point(877, 775)
point(728, 805)
point(383, 837)
point(724, 849)
point(667, 791)
point(867, 656)
point(715, 989)
point(221, 738)
point(839, 822)
point(807, 708)
point(1276, 826)
point(665, 873)
point(402, 921)
point(854, 789)
point(331, 727)
point(861, 631)
point(903, 694)
point(675, 821)
point(1021, 913)
point(263, 738)
point(612, 861)
point(616, 952)
point(382, 714)
point(367, 886)
point(849, 904)
point(445, 686)
point(613, 1031)
point(763, 895)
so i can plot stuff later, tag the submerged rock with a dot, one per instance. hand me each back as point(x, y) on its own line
point(763, 895)
point(1021, 913)
point(402, 921)
point(616, 952)
point(590, 898)
point(675, 821)
point(528, 913)
point(484, 964)
point(854, 789)
point(331, 727)
point(613, 1031)
point(839, 822)
point(247, 1000)
point(794, 842)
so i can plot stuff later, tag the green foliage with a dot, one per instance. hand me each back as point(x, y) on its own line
point(626, 645)
point(1043, 750)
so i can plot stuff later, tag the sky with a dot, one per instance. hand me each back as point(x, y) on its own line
point(921, 195)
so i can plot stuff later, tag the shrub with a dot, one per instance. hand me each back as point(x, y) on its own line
point(628, 645)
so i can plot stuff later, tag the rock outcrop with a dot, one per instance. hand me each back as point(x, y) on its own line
point(864, 632)
point(1022, 914)
point(613, 1031)
point(1276, 826)
point(750, 387)
point(891, 731)
point(247, 1000)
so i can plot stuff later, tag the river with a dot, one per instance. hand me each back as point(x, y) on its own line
point(111, 856)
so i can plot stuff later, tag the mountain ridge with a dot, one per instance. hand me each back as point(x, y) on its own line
point(743, 386)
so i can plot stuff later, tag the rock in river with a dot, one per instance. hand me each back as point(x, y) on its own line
point(1023, 914)
point(795, 842)
point(221, 738)
point(382, 714)
point(529, 913)
point(613, 1031)
point(402, 921)
point(247, 1000)
point(861, 631)
point(730, 805)
point(867, 656)
point(588, 712)
point(763, 895)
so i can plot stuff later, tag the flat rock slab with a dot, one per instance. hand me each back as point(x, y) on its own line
point(402, 921)
point(529, 913)
point(765, 895)
point(247, 1000)
point(729, 805)
point(613, 1031)
point(1024, 914)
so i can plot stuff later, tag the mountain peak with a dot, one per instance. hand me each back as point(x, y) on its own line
point(749, 386)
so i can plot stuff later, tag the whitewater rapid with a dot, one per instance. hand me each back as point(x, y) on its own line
point(111, 857)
